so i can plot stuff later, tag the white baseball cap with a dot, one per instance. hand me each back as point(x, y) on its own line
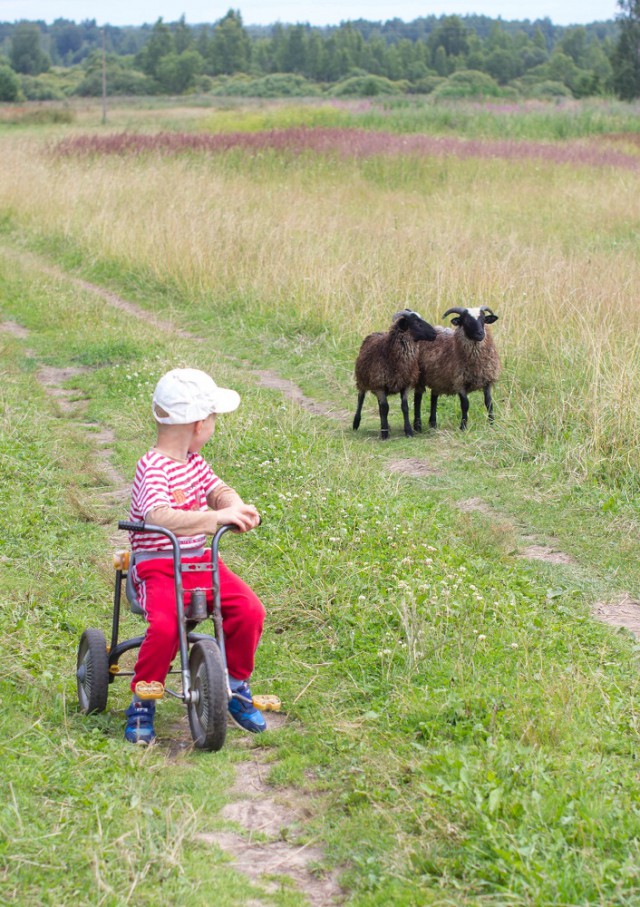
point(186, 395)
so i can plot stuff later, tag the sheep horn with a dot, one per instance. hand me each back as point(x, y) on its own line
point(456, 310)
point(402, 314)
point(485, 308)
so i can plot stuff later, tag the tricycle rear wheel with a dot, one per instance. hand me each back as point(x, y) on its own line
point(208, 714)
point(92, 672)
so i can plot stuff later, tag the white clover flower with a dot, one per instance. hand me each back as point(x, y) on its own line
point(481, 637)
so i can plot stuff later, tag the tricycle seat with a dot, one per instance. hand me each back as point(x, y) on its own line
point(130, 591)
point(123, 560)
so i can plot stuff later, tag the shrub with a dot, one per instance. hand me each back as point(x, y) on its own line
point(204, 84)
point(368, 86)
point(9, 84)
point(543, 90)
point(278, 85)
point(120, 81)
point(468, 83)
point(40, 88)
point(426, 85)
point(177, 73)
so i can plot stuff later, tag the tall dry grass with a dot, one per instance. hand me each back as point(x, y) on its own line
point(552, 249)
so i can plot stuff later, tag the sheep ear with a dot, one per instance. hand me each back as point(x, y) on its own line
point(456, 321)
point(489, 319)
point(402, 323)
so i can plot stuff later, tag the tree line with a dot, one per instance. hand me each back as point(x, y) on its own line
point(474, 53)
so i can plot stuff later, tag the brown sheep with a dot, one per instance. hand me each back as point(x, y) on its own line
point(388, 364)
point(459, 362)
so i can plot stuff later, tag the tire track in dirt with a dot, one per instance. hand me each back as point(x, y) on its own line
point(265, 377)
point(623, 612)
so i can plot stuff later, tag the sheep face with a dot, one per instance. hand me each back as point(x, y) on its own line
point(472, 321)
point(464, 360)
point(415, 326)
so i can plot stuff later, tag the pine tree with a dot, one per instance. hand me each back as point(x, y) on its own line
point(626, 56)
point(231, 48)
point(26, 55)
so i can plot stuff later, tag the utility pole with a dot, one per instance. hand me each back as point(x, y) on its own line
point(104, 75)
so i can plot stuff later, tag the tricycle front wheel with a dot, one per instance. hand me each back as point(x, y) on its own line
point(92, 672)
point(208, 714)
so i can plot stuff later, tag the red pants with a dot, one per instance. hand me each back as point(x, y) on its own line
point(242, 617)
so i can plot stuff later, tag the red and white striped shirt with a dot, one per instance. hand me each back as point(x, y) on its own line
point(160, 482)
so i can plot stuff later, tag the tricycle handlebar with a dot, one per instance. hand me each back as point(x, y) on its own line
point(132, 527)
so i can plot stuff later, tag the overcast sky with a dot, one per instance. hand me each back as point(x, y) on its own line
point(329, 12)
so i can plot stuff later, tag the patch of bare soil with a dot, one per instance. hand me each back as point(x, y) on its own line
point(52, 380)
point(413, 466)
point(109, 297)
point(104, 440)
point(546, 553)
point(14, 329)
point(118, 491)
point(475, 505)
point(623, 613)
point(271, 822)
point(130, 308)
point(292, 392)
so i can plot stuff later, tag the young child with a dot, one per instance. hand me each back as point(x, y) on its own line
point(175, 488)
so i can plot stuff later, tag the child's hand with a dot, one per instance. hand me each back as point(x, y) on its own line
point(243, 516)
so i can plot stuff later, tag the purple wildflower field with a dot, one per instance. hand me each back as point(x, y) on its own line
point(347, 142)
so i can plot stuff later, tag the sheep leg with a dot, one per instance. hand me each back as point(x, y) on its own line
point(356, 418)
point(404, 405)
point(417, 406)
point(464, 406)
point(433, 421)
point(383, 407)
point(488, 401)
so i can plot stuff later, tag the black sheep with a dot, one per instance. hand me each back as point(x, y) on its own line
point(388, 364)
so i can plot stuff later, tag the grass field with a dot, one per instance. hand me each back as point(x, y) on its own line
point(460, 728)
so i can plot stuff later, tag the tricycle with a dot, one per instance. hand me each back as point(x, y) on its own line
point(204, 687)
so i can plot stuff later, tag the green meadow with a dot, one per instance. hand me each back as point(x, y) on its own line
point(460, 727)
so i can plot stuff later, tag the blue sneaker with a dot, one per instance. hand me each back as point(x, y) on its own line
point(139, 727)
point(243, 712)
